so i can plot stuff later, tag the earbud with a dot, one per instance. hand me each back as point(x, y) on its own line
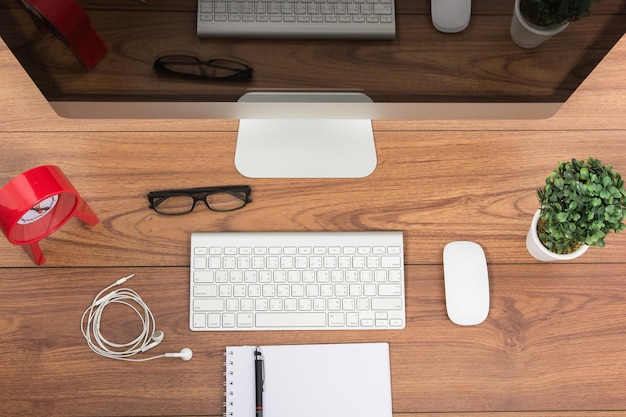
point(157, 337)
point(185, 354)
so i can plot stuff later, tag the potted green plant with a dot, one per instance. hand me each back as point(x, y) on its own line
point(535, 21)
point(581, 202)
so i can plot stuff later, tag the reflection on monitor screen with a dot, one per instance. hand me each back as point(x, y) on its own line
point(314, 99)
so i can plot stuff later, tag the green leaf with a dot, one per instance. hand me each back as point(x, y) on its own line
point(558, 183)
point(584, 174)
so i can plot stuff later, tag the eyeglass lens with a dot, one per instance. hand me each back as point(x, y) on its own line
point(215, 68)
point(216, 201)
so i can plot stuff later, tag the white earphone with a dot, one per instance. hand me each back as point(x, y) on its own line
point(185, 354)
point(148, 338)
point(157, 337)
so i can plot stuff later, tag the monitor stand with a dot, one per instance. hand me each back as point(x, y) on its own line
point(305, 147)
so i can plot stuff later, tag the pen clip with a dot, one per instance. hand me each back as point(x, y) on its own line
point(259, 357)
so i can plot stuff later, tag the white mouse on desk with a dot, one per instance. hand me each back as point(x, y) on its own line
point(450, 16)
point(466, 283)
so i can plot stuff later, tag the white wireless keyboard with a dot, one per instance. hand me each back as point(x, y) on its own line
point(336, 19)
point(297, 281)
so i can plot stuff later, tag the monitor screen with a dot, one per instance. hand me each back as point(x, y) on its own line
point(477, 73)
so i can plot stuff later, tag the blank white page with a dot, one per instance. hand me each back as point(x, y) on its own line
point(332, 380)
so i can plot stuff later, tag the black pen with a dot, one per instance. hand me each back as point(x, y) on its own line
point(259, 379)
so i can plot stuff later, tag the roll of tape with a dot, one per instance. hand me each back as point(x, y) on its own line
point(67, 20)
point(37, 203)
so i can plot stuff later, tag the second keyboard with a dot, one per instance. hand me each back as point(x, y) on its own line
point(296, 281)
point(335, 19)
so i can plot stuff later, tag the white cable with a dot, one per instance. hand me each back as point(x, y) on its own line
point(93, 315)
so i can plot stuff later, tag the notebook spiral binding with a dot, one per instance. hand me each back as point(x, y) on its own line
point(228, 382)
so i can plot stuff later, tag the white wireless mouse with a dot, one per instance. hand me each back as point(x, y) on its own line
point(466, 283)
point(450, 16)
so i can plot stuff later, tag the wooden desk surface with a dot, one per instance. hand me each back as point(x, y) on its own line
point(553, 344)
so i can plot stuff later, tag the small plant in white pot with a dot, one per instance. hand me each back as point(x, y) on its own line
point(535, 21)
point(580, 204)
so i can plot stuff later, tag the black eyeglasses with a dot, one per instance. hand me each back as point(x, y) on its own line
point(218, 69)
point(216, 199)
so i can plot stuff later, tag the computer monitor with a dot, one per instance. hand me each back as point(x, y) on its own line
point(307, 110)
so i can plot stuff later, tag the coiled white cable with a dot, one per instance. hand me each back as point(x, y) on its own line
point(90, 325)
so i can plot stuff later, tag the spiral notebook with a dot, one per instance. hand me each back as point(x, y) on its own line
point(329, 380)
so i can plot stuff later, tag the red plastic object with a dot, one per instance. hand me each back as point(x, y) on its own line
point(37, 203)
point(71, 23)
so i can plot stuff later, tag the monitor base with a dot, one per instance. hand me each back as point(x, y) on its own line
point(305, 148)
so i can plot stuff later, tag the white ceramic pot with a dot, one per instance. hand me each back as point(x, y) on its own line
point(527, 35)
point(540, 252)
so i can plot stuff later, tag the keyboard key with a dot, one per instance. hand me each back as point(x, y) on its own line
point(245, 319)
point(200, 251)
point(208, 305)
point(390, 289)
point(391, 262)
point(199, 320)
point(214, 320)
point(386, 303)
point(205, 290)
point(285, 319)
point(199, 262)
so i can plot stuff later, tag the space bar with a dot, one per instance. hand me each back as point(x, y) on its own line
point(290, 319)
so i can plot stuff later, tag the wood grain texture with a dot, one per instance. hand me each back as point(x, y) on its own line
point(553, 344)
point(553, 341)
point(436, 188)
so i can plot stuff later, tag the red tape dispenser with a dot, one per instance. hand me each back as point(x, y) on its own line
point(37, 203)
point(67, 20)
